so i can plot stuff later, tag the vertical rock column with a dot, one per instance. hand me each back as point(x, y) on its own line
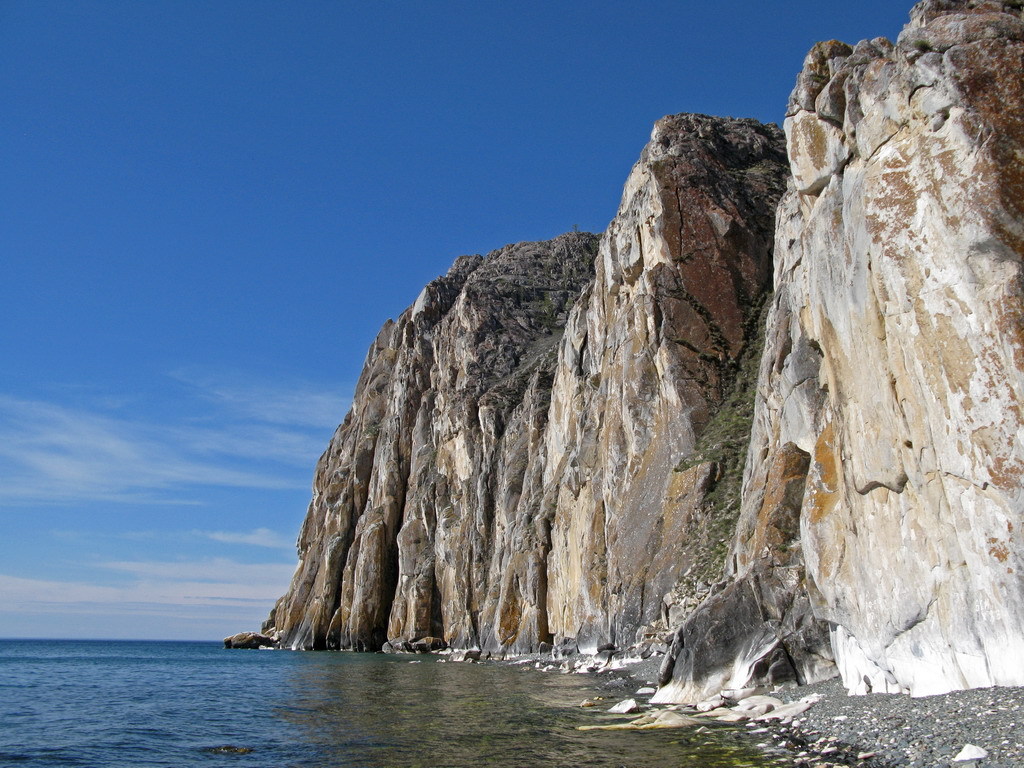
point(341, 593)
point(646, 359)
point(415, 499)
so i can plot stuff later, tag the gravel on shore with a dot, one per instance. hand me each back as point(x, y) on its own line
point(875, 730)
point(895, 730)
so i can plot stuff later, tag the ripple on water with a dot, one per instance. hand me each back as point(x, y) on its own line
point(196, 704)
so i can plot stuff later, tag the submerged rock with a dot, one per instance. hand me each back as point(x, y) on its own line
point(665, 718)
point(625, 707)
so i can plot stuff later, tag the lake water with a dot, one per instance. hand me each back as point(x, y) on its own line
point(107, 704)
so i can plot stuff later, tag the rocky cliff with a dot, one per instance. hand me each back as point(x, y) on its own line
point(519, 464)
point(887, 450)
point(414, 497)
point(546, 447)
point(899, 303)
point(647, 358)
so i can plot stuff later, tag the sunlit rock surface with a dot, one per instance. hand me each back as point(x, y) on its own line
point(894, 355)
point(412, 499)
point(514, 470)
point(647, 358)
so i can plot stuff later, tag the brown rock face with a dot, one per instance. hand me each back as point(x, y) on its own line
point(507, 476)
point(648, 356)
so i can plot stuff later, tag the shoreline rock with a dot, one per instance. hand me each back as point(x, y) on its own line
point(811, 726)
point(250, 640)
point(821, 725)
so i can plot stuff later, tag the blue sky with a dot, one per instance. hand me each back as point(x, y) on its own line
point(207, 209)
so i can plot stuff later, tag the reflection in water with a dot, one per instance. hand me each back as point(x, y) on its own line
point(374, 711)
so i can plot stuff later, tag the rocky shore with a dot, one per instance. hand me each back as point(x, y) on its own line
point(811, 726)
point(890, 730)
point(980, 728)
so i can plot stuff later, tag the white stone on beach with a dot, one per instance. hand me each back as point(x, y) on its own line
point(786, 710)
point(738, 694)
point(709, 704)
point(970, 752)
point(756, 702)
point(625, 707)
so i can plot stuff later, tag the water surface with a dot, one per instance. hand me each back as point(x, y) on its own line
point(107, 704)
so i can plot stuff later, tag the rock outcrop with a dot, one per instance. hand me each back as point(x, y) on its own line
point(250, 640)
point(647, 359)
point(513, 472)
point(888, 444)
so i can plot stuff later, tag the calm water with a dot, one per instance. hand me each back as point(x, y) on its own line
point(101, 704)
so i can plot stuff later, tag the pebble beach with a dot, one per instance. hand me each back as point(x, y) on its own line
point(893, 730)
point(981, 728)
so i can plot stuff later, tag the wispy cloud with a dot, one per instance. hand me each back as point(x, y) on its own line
point(215, 572)
point(247, 436)
point(257, 442)
point(218, 582)
point(261, 537)
point(292, 403)
point(49, 453)
point(203, 443)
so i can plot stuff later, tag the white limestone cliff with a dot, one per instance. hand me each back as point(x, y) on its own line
point(895, 351)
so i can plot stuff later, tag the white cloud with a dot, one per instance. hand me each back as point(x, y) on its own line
point(296, 404)
point(217, 582)
point(260, 537)
point(257, 436)
point(73, 448)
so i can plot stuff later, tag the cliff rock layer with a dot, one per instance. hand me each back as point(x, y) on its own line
point(894, 360)
point(513, 470)
point(413, 496)
point(647, 359)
